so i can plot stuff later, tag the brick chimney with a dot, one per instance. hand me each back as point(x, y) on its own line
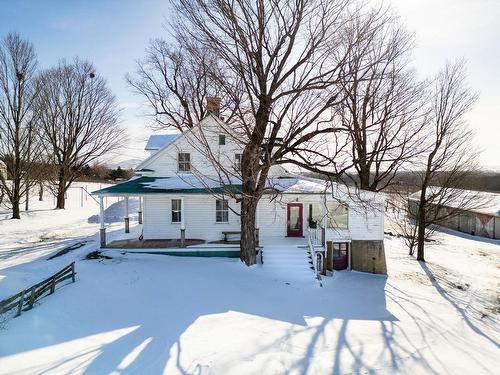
point(213, 105)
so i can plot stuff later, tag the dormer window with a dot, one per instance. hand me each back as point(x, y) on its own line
point(237, 162)
point(184, 159)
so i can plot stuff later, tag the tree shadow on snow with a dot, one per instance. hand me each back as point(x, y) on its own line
point(445, 288)
point(162, 313)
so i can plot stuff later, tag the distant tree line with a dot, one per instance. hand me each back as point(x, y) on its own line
point(53, 122)
point(480, 180)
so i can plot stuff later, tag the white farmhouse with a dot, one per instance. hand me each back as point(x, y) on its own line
point(185, 197)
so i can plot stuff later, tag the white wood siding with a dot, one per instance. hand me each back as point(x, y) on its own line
point(199, 211)
point(164, 162)
point(199, 216)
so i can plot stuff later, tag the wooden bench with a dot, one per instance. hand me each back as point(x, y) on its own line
point(227, 233)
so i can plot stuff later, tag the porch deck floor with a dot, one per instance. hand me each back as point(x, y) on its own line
point(284, 241)
point(151, 244)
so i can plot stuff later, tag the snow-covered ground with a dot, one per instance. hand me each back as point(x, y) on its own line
point(153, 314)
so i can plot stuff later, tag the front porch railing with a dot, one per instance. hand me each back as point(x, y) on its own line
point(317, 235)
point(317, 257)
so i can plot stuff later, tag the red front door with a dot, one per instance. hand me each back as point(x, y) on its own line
point(294, 220)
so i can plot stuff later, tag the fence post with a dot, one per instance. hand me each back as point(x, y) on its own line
point(20, 304)
point(73, 271)
point(32, 297)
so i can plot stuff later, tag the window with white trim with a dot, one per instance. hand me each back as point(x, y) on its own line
point(221, 211)
point(337, 215)
point(176, 210)
point(315, 214)
point(184, 160)
point(237, 162)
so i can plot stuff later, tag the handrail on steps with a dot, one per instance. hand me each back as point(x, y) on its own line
point(317, 257)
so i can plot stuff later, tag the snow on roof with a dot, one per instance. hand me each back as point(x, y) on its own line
point(295, 184)
point(204, 184)
point(187, 182)
point(487, 203)
point(157, 141)
point(192, 184)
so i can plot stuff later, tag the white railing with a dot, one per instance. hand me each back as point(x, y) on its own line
point(316, 235)
point(316, 256)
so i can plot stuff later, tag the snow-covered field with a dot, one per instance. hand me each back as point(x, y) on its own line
point(154, 314)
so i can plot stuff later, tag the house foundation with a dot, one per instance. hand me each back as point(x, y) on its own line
point(368, 256)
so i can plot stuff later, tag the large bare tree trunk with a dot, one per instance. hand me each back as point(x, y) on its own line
point(15, 210)
point(251, 176)
point(61, 191)
point(16, 201)
point(421, 223)
point(364, 176)
point(247, 246)
point(40, 191)
point(27, 198)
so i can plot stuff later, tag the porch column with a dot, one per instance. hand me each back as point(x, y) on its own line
point(140, 210)
point(127, 220)
point(349, 257)
point(324, 223)
point(257, 224)
point(183, 224)
point(102, 229)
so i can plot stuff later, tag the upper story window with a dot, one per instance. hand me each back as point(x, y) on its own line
point(337, 215)
point(184, 159)
point(237, 162)
point(222, 139)
point(176, 210)
point(221, 211)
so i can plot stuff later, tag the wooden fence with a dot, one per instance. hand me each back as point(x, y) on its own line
point(25, 299)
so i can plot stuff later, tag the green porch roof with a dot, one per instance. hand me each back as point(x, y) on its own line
point(169, 185)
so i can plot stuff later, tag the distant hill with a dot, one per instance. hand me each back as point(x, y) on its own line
point(124, 164)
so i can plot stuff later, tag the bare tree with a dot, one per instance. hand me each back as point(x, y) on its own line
point(19, 145)
point(449, 156)
point(176, 83)
point(79, 117)
point(382, 114)
point(277, 65)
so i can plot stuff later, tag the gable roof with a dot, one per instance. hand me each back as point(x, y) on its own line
point(158, 141)
point(157, 154)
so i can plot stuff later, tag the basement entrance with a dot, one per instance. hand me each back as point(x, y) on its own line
point(340, 254)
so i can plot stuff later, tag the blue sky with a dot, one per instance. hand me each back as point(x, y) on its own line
point(113, 34)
